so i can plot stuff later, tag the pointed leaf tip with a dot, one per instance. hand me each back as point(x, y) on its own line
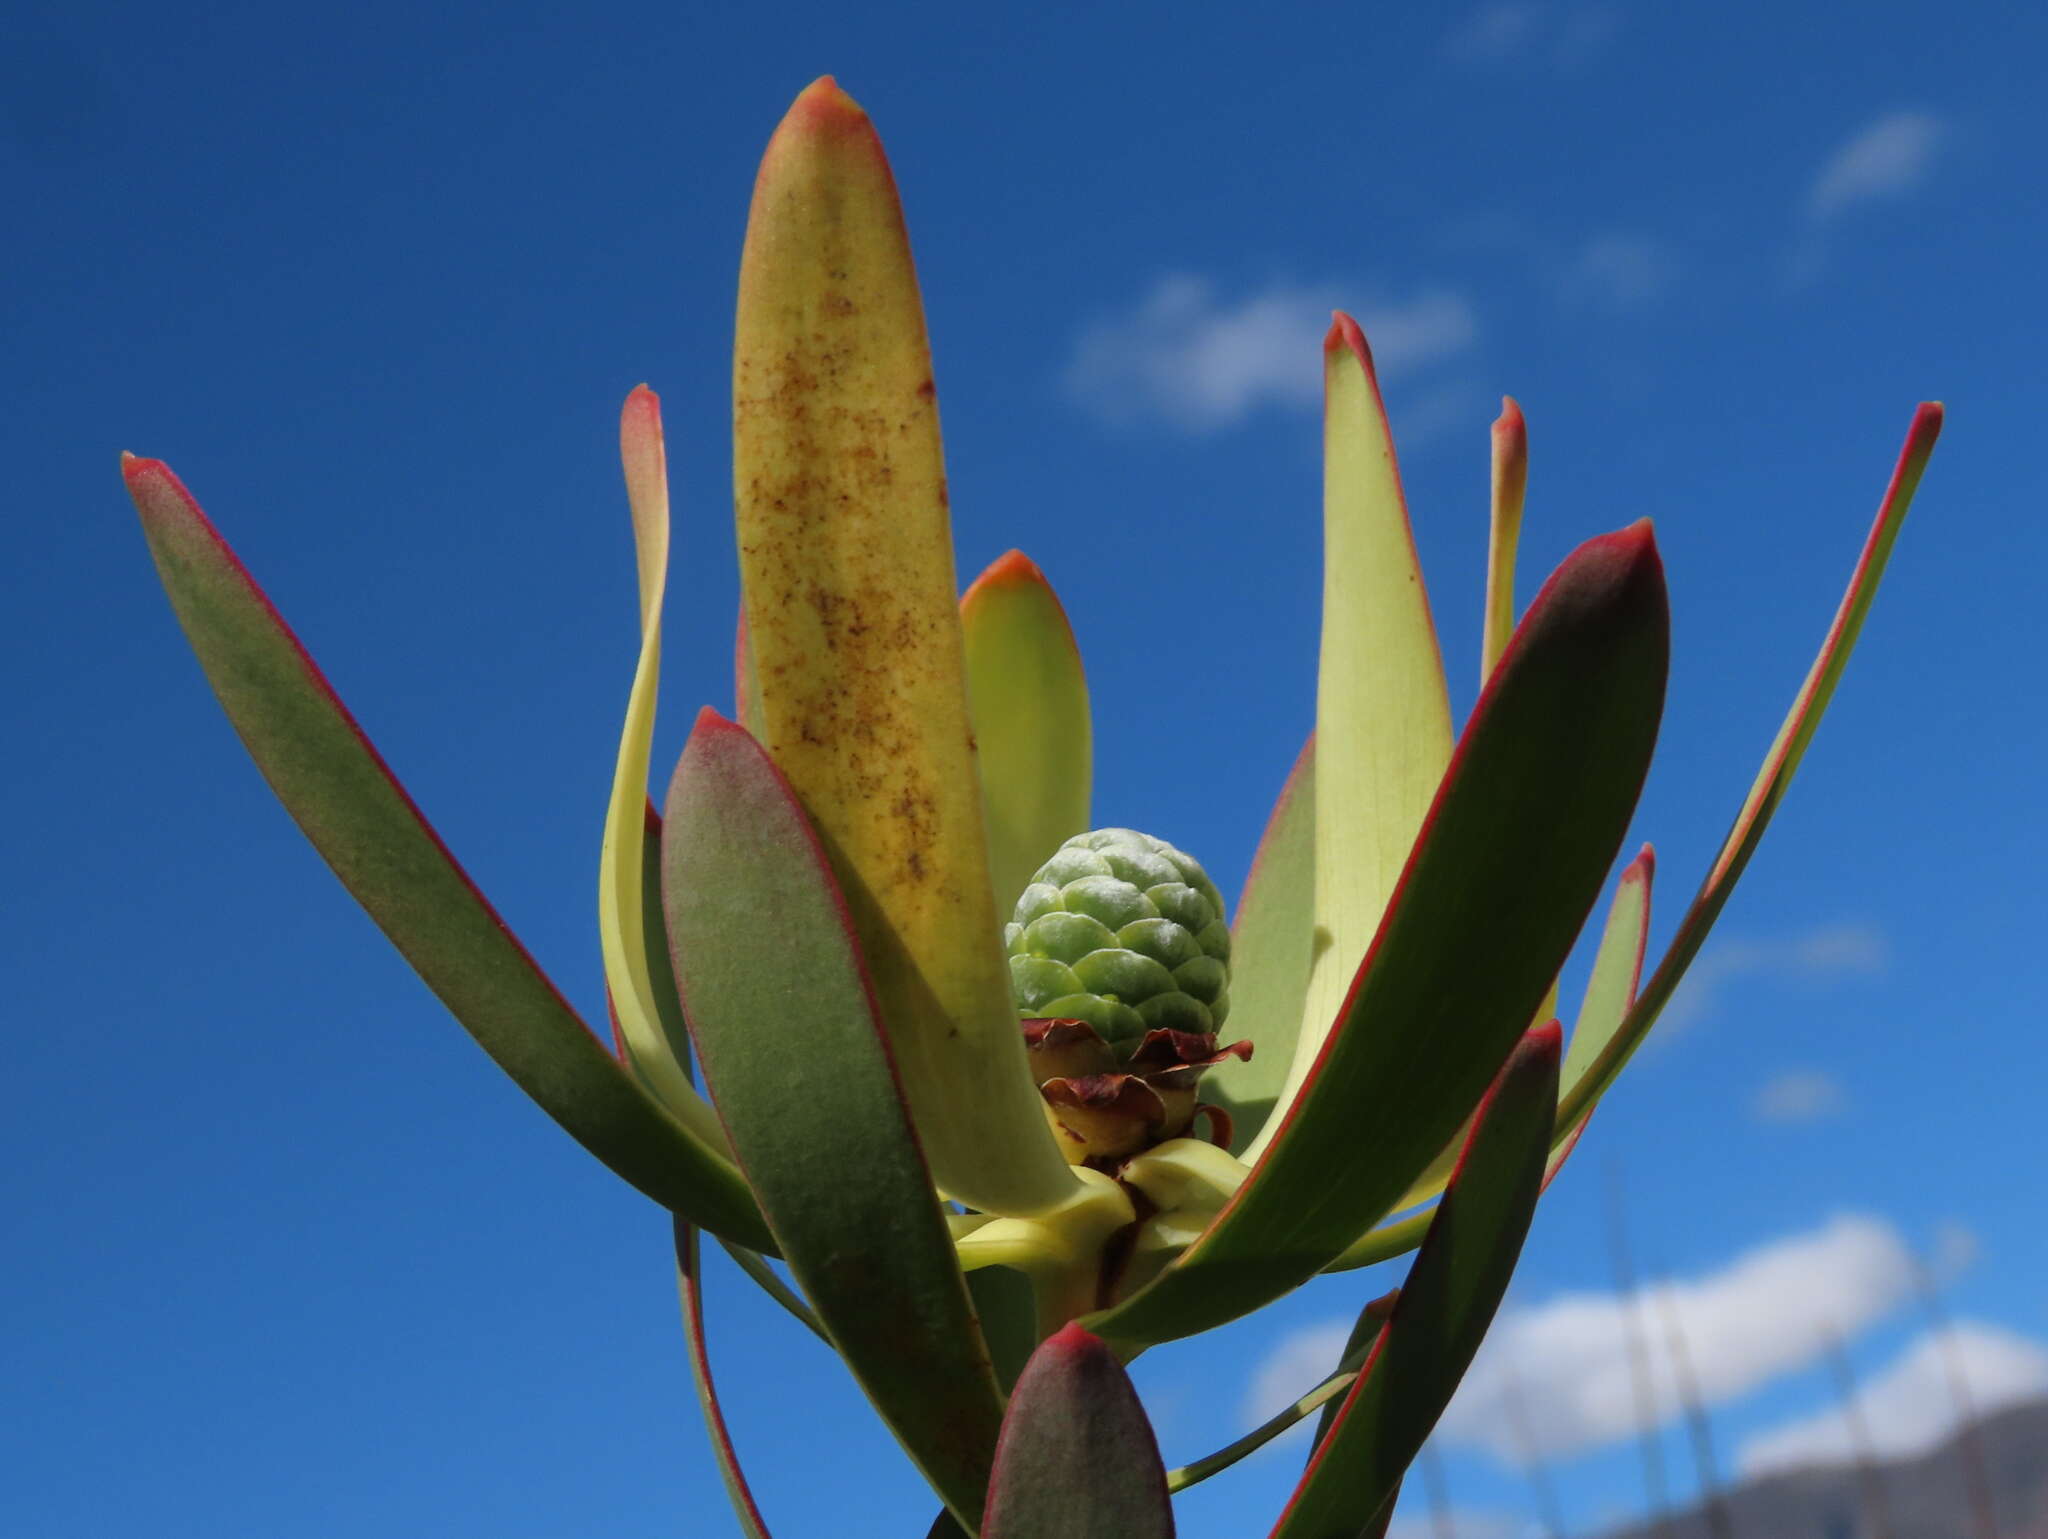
point(1618, 573)
point(1012, 568)
point(822, 107)
point(1072, 1340)
point(710, 722)
point(1077, 1458)
point(1346, 332)
point(135, 470)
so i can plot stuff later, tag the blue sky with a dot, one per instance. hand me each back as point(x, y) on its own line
point(289, 1257)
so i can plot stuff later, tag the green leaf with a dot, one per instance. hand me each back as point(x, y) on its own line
point(1511, 859)
point(1445, 1306)
point(1008, 1313)
point(1617, 967)
point(1273, 944)
point(1774, 778)
point(1077, 1459)
point(853, 625)
point(657, 1043)
point(1510, 486)
point(1031, 723)
point(783, 1015)
point(1383, 719)
point(1611, 987)
point(690, 1284)
point(359, 818)
point(1363, 1332)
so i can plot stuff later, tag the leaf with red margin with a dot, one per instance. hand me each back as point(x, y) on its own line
point(1617, 968)
point(1514, 852)
point(1272, 947)
point(784, 1018)
point(1032, 731)
point(343, 797)
point(1610, 991)
point(1510, 485)
point(1446, 1304)
point(1077, 1459)
point(690, 1283)
point(657, 1045)
point(1775, 776)
point(1383, 716)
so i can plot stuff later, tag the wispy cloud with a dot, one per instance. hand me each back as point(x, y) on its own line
point(1766, 1313)
point(1887, 158)
point(1831, 951)
point(1910, 1406)
point(1798, 1097)
point(1562, 36)
point(1199, 362)
point(1618, 270)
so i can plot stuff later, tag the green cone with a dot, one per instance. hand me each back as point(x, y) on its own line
point(1125, 932)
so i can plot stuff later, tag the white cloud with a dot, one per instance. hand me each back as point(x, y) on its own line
point(1910, 1407)
point(1831, 951)
point(1798, 1096)
point(1768, 1312)
point(1200, 362)
point(1619, 271)
point(1884, 159)
point(1523, 32)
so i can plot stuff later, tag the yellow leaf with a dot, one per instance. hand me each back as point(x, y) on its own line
point(853, 628)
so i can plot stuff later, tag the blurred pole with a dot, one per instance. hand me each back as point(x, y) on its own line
point(1655, 1486)
point(1712, 1503)
point(1969, 1445)
point(1547, 1510)
point(1877, 1516)
point(1438, 1490)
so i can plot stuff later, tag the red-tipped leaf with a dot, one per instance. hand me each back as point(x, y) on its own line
point(1775, 777)
point(338, 790)
point(1077, 1458)
point(1448, 1300)
point(1510, 860)
point(783, 1016)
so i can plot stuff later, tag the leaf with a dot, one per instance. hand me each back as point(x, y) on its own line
point(1510, 479)
point(846, 569)
point(690, 1283)
point(1511, 858)
point(657, 1042)
point(1617, 970)
point(1617, 965)
point(1363, 1332)
point(783, 1015)
point(1510, 485)
point(1383, 719)
point(1273, 946)
point(1445, 1306)
point(1031, 723)
point(338, 790)
point(746, 687)
point(1775, 776)
point(1004, 1305)
point(1077, 1459)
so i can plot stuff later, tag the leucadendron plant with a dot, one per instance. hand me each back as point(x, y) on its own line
point(1004, 1094)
